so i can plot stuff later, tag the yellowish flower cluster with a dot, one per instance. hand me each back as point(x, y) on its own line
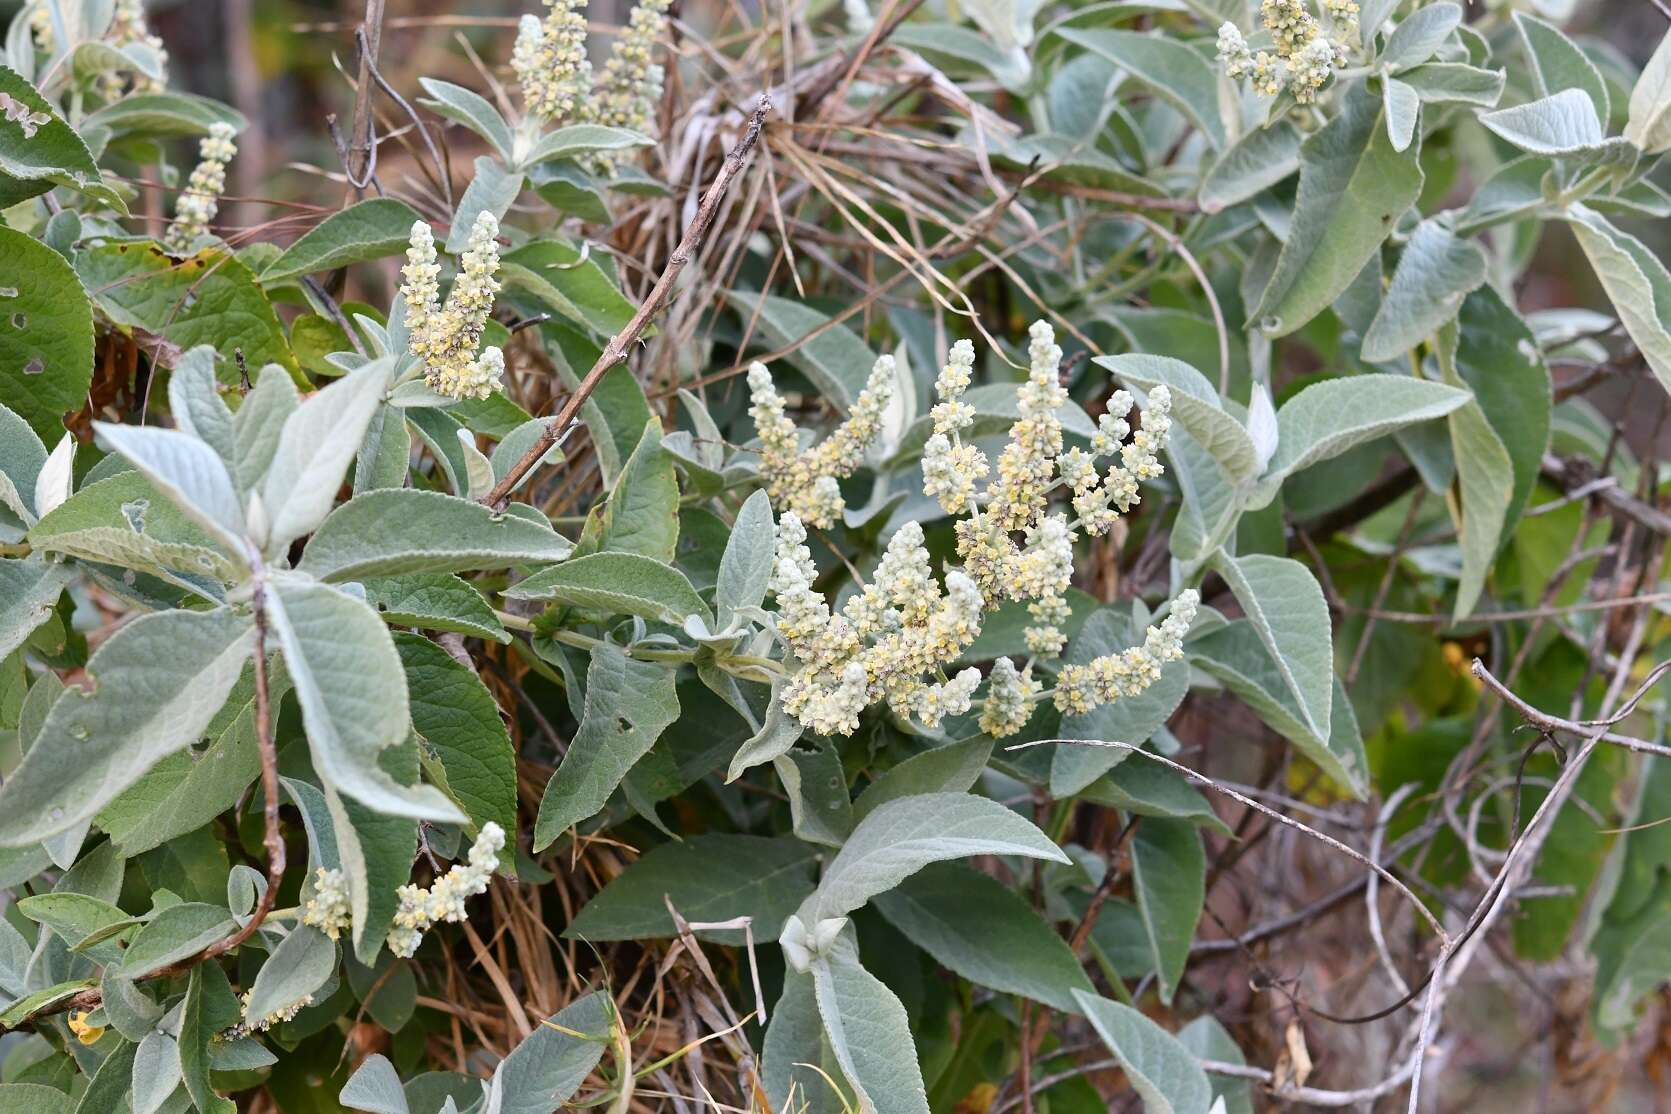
point(85, 1031)
point(128, 25)
point(631, 82)
point(444, 899)
point(1103, 680)
point(1011, 695)
point(201, 198)
point(893, 638)
point(884, 644)
point(1305, 57)
point(803, 482)
point(550, 61)
point(445, 337)
point(328, 909)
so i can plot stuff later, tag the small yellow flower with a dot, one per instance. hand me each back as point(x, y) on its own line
point(84, 1032)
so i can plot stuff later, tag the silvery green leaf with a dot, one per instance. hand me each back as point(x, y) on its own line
point(29, 589)
point(628, 705)
point(798, 1063)
point(416, 393)
point(516, 444)
point(1262, 426)
point(1402, 108)
point(259, 422)
point(22, 456)
point(302, 963)
point(186, 470)
point(870, 1035)
point(1436, 271)
point(746, 564)
point(1286, 607)
point(836, 360)
point(478, 469)
point(1195, 406)
point(1419, 35)
point(56, 479)
point(352, 691)
point(1486, 475)
point(548, 1067)
point(491, 190)
point(374, 1087)
point(1207, 1039)
point(902, 836)
point(399, 531)
point(1328, 418)
point(1636, 282)
point(1354, 186)
point(1010, 65)
point(1454, 82)
point(986, 932)
point(953, 768)
point(173, 934)
point(1161, 1069)
point(462, 106)
point(779, 731)
point(1173, 70)
point(156, 1072)
point(1649, 125)
point(1211, 503)
point(194, 398)
point(820, 807)
point(1559, 63)
point(1255, 162)
point(1561, 125)
point(158, 682)
point(1168, 872)
point(582, 139)
point(319, 439)
point(617, 584)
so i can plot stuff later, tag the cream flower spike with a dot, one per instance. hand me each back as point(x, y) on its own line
point(803, 482)
point(631, 82)
point(200, 200)
point(420, 909)
point(444, 337)
point(550, 63)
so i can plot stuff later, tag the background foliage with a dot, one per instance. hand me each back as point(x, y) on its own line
point(291, 638)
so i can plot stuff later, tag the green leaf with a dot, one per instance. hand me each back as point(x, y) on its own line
point(1283, 601)
point(1255, 162)
point(33, 1098)
point(1353, 188)
point(376, 852)
point(194, 398)
point(1649, 123)
point(986, 932)
point(713, 877)
point(1497, 357)
point(1169, 873)
point(46, 335)
point(628, 705)
point(49, 154)
point(205, 1014)
point(458, 720)
point(462, 106)
point(1237, 656)
point(317, 443)
point(76, 917)
point(1402, 107)
point(836, 361)
point(209, 298)
point(1131, 719)
point(301, 964)
point(798, 1064)
point(1636, 282)
point(1485, 475)
point(953, 768)
point(1208, 1040)
point(1173, 70)
point(616, 584)
point(375, 1087)
point(1559, 63)
point(29, 590)
point(20, 1010)
point(582, 139)
point(1455, 83)
point(186, 470)
point(871, 1037)
point(548, 1067)
point(1419, 35)
point(641, 514)
point(746, 565)
point(370, 229)
point(174, 934)
point(902, 836)
point(1147, 788)
point(1434, 275)
point(352, 692)
point(569, 281)
point(1330, 417)
point(1561, 125)
point(492, 189)
point(156, 1072)
point(259, 422)
point(1159, 1067)
point(1195, 406)
point(163, 116)
point(402, 531)
point(183, 792)
point(1010, 67)
point(434, 601)
point(157, 684)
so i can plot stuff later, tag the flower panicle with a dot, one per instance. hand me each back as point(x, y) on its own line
point(444, 336)
point(200, 200)
point(805, 482)
point(1304, 55)
point(550, 62)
